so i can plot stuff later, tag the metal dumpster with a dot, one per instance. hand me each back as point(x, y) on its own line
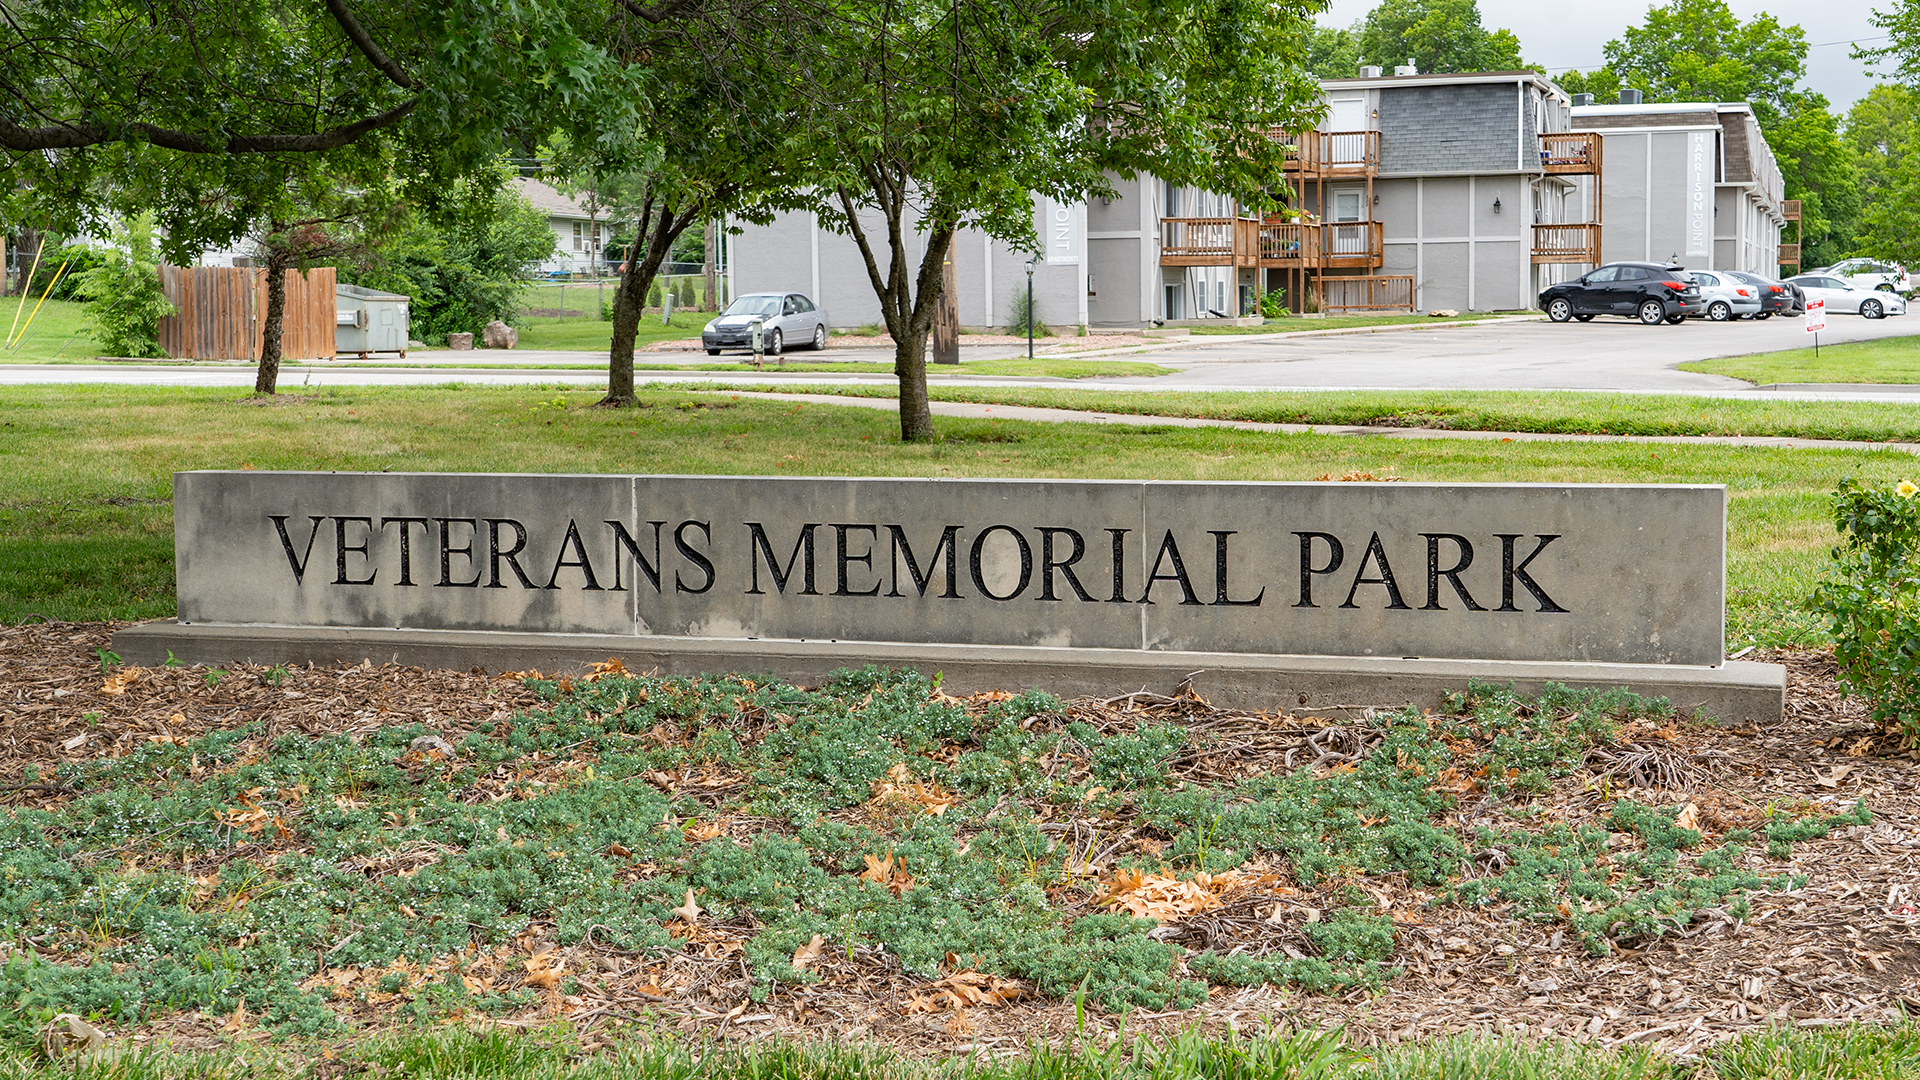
point(369, 321)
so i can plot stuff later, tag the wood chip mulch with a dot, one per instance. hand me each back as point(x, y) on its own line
point(1843, 948)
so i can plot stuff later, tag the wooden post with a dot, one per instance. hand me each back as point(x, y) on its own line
point(946, 311)
point(712, 275)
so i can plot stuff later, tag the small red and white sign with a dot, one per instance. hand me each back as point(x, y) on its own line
point(1816, 316)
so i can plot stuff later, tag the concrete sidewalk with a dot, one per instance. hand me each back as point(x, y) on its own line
point(970, 410)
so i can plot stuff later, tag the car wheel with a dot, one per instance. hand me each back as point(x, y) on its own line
point(819, 337)
point(1883, 287)
point(1871, 309)
point(1719, 311)
point(1652, 312)
point(1584, 318)
point(773, 343)
point(713, 352)
point(1764, 316)
point(1559, 309)
point(1676, 320)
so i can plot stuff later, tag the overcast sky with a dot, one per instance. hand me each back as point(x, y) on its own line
point(1559, 36)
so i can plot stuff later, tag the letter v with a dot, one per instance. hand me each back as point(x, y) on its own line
point(299, 564)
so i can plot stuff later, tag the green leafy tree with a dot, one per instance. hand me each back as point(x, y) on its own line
point(123, 294)
point(1437, 36)
point(1880, 131)
point(1333, 52)
point(1699, 50)
point(930, 116)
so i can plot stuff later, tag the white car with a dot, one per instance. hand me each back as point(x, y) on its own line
point(784, 318)
point(1869, 274)
point(1844, 297)
point(1725, 296)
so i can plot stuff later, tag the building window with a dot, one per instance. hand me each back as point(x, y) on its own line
point(579, 235)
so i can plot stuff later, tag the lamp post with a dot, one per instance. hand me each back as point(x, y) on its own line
point(1030, 263)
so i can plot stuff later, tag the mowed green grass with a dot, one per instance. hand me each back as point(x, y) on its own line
point(1549, 411)
point(85, 472)
point(1294, 324)
point(1889, 360)
point(1853, 1052)
point(59, 332)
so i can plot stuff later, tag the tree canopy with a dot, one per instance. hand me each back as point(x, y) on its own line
point(1442, 36)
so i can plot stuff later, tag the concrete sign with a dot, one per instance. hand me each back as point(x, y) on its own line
point(1562, 572)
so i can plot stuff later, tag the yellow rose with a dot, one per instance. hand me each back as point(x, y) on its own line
point(1906, 489)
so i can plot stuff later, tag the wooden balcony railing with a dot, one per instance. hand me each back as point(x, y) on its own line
point(1790, 255)
point(1352, 243)
point(1209, 242)
point(1344, 153)
point(1790, 209)
point(1570, 152)
point(1370, 293)
point(1289, 245)
point(1578, 243)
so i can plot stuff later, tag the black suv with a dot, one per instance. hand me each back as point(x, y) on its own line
point(1650, 292)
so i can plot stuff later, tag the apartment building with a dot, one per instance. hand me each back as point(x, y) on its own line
point(1464, 191)
point(1694, 182)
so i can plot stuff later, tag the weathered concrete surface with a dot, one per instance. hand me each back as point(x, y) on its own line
point(1735, 692)
point(1538, 572)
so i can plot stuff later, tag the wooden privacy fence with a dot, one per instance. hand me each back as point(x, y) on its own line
point(1391, 292)
point(222, 313)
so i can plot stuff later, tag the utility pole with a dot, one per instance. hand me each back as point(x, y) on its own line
point(712, 276)
point(946, 310)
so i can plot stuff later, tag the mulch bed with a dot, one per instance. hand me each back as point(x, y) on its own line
point(1844, 948)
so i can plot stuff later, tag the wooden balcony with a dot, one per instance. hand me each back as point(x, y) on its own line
point(1209, 242)
point(1389, 292)
point(1579, 243)
point(1570, 152)
point(1790, 209)
point(1352, 243)
point(1790, 255)
point(1331, 153)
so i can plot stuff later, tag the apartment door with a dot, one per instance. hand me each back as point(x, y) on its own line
point(1349, 206)
point(1346, 115)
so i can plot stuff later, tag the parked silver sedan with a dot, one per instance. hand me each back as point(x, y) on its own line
point(1844, 297)
point(785, 318)
point(1725, 297)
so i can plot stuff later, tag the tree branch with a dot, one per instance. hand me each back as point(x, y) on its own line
point(76, 134)
point(364, 41)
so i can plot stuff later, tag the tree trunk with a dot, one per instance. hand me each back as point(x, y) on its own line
point(24, 253)
point(665, 227)
point(274, 321)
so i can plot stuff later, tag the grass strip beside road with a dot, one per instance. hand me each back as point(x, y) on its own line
point(1295, 324)
point(86, 518)
point(1554, 411)
point(1887, 361)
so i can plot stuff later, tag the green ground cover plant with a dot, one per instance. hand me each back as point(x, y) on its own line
point(86, 528)
point(872, 812)
point(1889, 360)
point(1872, 596)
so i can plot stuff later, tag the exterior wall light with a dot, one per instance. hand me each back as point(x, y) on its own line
point(1496, 204)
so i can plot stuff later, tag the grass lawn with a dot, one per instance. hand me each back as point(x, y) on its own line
point(1889, 360)
point(589, 334)
point(86, 521)
point(1562, 411)
point(1294, 324)
point(1040, 366)
point(60, 332)
point(1860, 1052)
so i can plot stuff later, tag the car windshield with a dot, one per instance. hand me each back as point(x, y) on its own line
point(754, 305)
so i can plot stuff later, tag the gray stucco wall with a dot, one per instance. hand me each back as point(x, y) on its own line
point(1444, 232)
point(1449, 128)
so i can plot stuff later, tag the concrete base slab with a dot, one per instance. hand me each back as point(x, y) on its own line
point(1735, 692)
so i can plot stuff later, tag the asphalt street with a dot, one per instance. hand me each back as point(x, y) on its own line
point(1604, 355)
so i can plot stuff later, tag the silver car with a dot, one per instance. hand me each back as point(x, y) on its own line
point(1725, 297)
point(785, 318)
point(1844, 297)
point(1869, 274)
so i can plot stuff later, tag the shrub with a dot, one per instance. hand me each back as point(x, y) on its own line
point(123, 293)
point(1872, 596)
point(656, 296)
point(683, 294)
point(1274, 305)
point(1021, 310)
point(79, 258)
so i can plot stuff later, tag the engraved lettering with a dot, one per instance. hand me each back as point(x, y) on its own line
point(1335, 556)
point(1026, 562)
point(511, 555)
point(1377, 555)
point(623, 540)
point(1464, 559)
point(1169, 548)
point(1509, 573)
point(1119, 566)
point(299, 563)
point(948, 547)
point(447, 551)
point(341, 547)
point(406, 548)
point(1048, 564)
point(841, 558)
point(692, 555)
point(1220, 574)
point(580, 561)
point(763, 547)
